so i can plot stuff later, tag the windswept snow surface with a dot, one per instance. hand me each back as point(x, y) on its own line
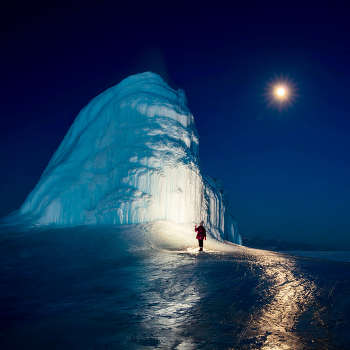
point(131, 156)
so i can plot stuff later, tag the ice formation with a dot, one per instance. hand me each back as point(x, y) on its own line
point(131, 156)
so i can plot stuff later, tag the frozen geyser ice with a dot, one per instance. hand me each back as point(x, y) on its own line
point(131, 156)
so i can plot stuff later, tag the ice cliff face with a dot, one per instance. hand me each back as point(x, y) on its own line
point(131, 156)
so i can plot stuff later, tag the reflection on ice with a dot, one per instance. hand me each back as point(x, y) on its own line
point(289, 293)
point(124, 288)
point(168, 298)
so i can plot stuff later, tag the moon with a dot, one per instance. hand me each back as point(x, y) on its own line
point(281, 91)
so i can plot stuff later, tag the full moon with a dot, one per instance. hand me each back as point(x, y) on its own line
point(280, 91)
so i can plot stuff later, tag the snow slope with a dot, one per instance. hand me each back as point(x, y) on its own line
point(131, 156)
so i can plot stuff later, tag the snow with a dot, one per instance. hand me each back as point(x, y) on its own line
point(131, 156)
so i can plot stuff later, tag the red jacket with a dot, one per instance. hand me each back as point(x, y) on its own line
point(201, 233)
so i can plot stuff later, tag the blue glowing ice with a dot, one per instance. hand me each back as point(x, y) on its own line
point(131, 156)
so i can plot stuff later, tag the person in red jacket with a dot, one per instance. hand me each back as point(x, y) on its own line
point(201, 235)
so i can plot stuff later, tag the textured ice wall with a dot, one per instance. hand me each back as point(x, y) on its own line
point(131, 156)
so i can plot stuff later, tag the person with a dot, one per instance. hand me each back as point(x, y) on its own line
point(201, 235)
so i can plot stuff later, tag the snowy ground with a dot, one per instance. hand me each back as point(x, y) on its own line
point(147, 287)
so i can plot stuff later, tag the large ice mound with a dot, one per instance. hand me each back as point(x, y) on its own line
point(131, 156)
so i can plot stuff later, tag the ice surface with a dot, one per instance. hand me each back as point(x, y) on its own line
point(131, 156)
point(140, 287)
point(327, 255)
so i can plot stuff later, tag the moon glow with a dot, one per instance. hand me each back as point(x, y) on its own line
point(280, 93)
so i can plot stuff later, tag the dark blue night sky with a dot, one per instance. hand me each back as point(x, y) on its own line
point(287, 174)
